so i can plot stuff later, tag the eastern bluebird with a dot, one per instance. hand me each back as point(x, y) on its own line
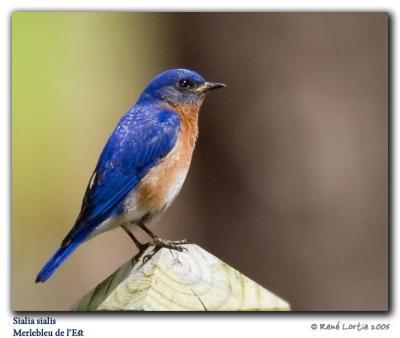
point(143, 164)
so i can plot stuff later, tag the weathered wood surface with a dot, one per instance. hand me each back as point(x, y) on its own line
point(192, 280)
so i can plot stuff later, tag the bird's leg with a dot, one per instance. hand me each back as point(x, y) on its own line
point(163, 243)
point(139, 245)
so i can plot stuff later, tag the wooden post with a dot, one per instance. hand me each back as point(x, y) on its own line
point(192, 280)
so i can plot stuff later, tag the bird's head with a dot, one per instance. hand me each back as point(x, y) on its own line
point(179, 86)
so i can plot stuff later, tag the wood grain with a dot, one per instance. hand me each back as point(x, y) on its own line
point(192, 280)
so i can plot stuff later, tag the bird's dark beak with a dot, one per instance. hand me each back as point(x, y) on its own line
point(209, 86)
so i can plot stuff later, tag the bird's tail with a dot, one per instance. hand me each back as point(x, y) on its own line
point(60, 256)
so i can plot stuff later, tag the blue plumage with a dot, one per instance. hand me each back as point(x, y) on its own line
point(145, 135)
point(61, 255)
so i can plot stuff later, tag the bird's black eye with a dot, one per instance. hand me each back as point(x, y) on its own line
point(185, 84)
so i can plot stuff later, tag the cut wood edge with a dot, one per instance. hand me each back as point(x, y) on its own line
point(192, 280)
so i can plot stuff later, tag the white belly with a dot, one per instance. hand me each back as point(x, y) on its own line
point(140, 202)
point(138, 206)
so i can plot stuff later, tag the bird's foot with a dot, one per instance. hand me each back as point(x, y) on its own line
point(160, 243)
point(166, 243)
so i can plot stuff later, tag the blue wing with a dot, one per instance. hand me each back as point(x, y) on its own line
point(143, 137)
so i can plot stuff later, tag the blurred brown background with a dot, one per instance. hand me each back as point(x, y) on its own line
point(289, 181)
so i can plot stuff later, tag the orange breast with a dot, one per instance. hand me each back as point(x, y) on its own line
point(162, 183)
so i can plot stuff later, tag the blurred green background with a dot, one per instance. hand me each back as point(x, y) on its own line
point(74, 74)
point(289, 179)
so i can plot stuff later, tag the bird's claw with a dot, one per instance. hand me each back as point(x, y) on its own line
point(160, 243)
point(150, 255)
point(173, 245)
